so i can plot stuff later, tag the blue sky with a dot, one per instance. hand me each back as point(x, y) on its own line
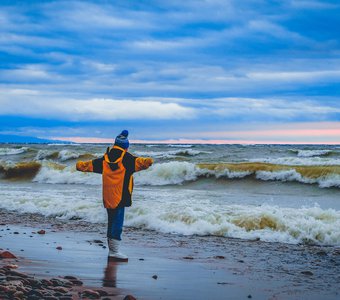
point(248, 71)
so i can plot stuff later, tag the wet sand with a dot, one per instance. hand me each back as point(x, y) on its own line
point(165, 266)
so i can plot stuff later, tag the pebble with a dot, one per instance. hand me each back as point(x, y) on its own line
point(59, 248)
point(129, 297)
point(11, 266)
point(61, 289)
point(102, 293)
point(76, 282)
point(90, 294)
point(154, 276)
point(7, 254)
point(16, 285)
point(42, 231)
point(70, 277)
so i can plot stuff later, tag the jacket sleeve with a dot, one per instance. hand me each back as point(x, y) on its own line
point(142, 163)
point(95, 165)
point(134, 163)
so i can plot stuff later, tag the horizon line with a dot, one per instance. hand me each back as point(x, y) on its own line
point(91, 140)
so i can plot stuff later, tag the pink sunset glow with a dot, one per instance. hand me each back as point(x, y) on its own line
point(271, 136)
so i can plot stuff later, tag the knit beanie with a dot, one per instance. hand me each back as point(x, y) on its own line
point(122, 140)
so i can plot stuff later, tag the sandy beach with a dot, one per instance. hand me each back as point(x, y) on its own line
point(165, 266)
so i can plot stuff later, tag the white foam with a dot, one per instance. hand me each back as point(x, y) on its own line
point(12, 151)
point(171, 154)
point(64, 204)
point(332, 180)
point(180, 145)
point(69, 175)
point(177, 173)
point(66, 155)
point(311, 153)
point(230, 174)
point(298, 161)
point(42, 154)
point(186, 212)
point(269, 223)
point(167, 173)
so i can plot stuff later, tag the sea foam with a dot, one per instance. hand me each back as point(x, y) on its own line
point(267, 223)
point(13, 151)
point(180, 213)
point(177, 173)
point(312, 153)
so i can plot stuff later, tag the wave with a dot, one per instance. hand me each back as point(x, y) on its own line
point(65, 155)
point(311, 153)
point(13, 151)
point(178, 173)
point(180, 145)
point(267, 223)
point(62, 155)
point(188, 216)
point(303, 161)
point(22, 170)
point(46, 154)
point(169, 145)
point(324, 176)
point(66, 175)
point(172, 154)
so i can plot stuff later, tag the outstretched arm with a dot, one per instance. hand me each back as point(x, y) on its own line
point(142, 163)
point(95, 165)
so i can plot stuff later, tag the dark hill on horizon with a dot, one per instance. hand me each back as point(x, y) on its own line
point(18, 139)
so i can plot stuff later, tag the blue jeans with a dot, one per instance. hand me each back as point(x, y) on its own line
point(115, 220)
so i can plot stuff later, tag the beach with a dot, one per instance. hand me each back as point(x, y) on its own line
point(207, 222)
point(171, 267)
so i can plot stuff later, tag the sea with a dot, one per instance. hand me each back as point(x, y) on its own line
point(273, 193)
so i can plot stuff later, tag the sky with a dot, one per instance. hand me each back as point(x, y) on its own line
point(213, 71)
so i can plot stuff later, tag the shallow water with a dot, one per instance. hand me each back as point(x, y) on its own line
point(287, 194)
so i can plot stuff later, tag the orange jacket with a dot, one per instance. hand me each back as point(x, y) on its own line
point(117, 167)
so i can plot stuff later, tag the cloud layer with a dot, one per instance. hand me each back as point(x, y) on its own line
point(167, 66)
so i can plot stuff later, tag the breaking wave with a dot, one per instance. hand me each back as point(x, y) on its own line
point(267, 223)
point(62, 155)
point(13, 151)
point(177, 173)
point(172, 154)
point(303, 161)
point(188, 216)
point(22, 170)
point(180, 145)
point(311, 153)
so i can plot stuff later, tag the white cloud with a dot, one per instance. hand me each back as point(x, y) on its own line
point(295, 75)
point(30, 72)
point(94, 109)
point(263, 109)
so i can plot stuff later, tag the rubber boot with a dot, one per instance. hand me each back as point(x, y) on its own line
point(114, 253)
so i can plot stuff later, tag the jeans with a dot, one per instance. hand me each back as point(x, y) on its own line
point(115, 220)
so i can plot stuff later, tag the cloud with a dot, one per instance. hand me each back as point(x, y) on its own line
point(295, 76)
point(272, 109)
point(96, 109)
point(193, 63)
